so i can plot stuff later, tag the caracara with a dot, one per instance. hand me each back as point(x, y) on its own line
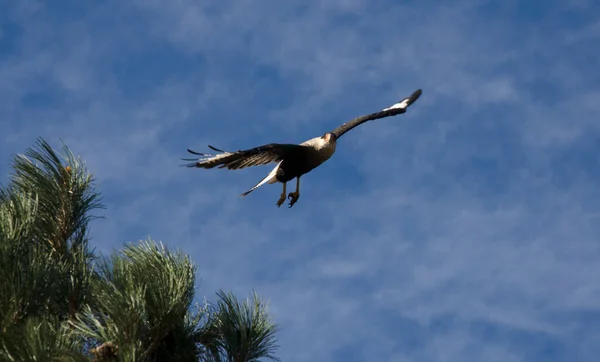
point(293, 160)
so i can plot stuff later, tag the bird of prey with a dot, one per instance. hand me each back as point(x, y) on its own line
point(293, 160)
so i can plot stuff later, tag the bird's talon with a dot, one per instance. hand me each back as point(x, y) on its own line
point(293, 196)
point(281, 200)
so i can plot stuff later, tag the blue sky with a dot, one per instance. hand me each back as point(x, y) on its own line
point(464, 230)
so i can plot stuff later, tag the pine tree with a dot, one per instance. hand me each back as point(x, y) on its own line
point(59, 301)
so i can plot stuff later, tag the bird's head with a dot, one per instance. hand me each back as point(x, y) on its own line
point(329, 137)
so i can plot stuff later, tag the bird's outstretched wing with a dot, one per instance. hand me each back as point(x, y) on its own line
point(393, 110)
point(256, 156)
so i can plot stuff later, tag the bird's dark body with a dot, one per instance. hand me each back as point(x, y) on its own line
point(293, 167)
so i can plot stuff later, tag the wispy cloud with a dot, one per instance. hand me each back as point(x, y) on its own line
point(465, 229)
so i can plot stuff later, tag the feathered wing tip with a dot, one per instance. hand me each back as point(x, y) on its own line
point(206, 154)
point(215, 149)
point(239, 159)
point(403, 104)
point(413, 97)
point(195, 161)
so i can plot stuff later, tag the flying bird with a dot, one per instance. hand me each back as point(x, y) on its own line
point(293, 160)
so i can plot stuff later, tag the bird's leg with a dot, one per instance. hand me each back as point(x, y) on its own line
point(294, 196)
point(282, 197)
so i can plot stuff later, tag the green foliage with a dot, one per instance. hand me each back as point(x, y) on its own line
point(65, 194)
point(144, 295)
point(29, 287)
point(45, 212)
point(59, 302)
point(18, 212)
point(245, 330)
point(40, 339)
point(43, 247)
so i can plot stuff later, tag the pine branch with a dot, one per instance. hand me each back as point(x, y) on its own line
point(143, 300)
point(44, 214)
point(65, 193)
point(40, 339)
point(245, 330)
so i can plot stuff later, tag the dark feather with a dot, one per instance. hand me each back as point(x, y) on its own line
point(215, 149)
point(256, 156)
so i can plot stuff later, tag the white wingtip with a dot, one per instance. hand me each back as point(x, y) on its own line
point(406, 101)
point(404, 104)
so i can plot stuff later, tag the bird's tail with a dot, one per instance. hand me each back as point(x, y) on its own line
point(270, 179)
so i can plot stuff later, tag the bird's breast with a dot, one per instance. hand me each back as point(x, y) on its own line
point(327, 151)
point(322, 154)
